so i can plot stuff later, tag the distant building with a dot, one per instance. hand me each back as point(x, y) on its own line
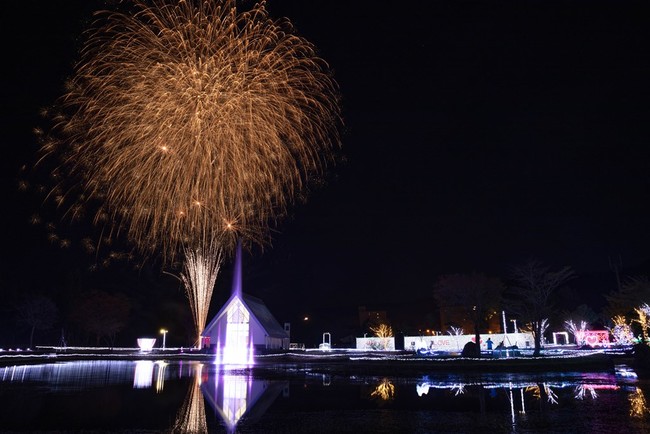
point(243, 319)
point(372, 318)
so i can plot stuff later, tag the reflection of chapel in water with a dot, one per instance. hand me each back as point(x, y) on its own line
point(233, 396)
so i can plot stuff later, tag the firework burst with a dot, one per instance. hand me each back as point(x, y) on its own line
point(195, 125)
point(196, 122)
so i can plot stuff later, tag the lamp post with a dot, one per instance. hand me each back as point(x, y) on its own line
point(164, 333)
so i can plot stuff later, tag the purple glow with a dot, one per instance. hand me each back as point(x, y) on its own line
point(236, 277)
point(238, 348)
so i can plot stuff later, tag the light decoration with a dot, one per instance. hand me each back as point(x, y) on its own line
point(530, 327)
point(143, 377)
point(456, 332)
point(638, 405)
point(550, 394)
point(454, 343)
point(596, 338)
point(326, 344)
point(580, 389)
point(578, 332)
point(512, 405)
point(146, 344)
point(422, 388)
point(563, 334)
point(160, 375)
point(385, 390)
point(625, 371)
point(622, 331)
point(643, 319)
point(458, 389)
point(382, 331)
point(551, 397)
point(583, 389)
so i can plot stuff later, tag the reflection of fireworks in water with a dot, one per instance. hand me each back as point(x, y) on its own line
point(191, 417)
point(196, 124)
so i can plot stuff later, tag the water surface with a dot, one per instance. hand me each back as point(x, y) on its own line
point(159, 396)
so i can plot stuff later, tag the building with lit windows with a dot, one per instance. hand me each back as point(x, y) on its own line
point(244, 321)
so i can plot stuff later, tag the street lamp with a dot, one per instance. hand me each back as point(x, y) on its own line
point(515, 324)
point(164, 333)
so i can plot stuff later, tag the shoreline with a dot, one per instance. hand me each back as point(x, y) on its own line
point(393, 363)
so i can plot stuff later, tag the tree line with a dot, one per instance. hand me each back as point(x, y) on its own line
point(529, 294)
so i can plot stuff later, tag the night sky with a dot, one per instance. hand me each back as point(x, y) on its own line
point(477, 135)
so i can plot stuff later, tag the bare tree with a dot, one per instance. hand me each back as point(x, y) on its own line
point(632, 293)
point(37, 312)
point(102, 315)
point(531, 295)
point(476, 295)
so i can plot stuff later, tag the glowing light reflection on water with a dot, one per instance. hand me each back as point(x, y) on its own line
point(205, 396)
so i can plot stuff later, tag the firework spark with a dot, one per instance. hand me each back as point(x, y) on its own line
point(195, 124)
point(194, 118)
point(200, 271)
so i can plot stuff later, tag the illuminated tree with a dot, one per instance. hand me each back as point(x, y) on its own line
point(456, 332)
point(384, 332)
point(578, 332)
point(621, 331)
point(531, 295)
point(536, 328)
point(643, 319)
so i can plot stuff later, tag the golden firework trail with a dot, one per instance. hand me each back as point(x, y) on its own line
point(200, 271)
point(195, 121)
point(195, 124)
point(191, 418)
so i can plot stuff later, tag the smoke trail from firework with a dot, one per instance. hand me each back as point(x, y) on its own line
point(196, 124)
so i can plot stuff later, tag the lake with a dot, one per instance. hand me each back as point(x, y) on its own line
point(192, 396)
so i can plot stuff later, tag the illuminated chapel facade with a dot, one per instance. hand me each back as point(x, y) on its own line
point(246, 321)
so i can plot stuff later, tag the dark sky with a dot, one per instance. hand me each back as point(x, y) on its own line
point(477, 135)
